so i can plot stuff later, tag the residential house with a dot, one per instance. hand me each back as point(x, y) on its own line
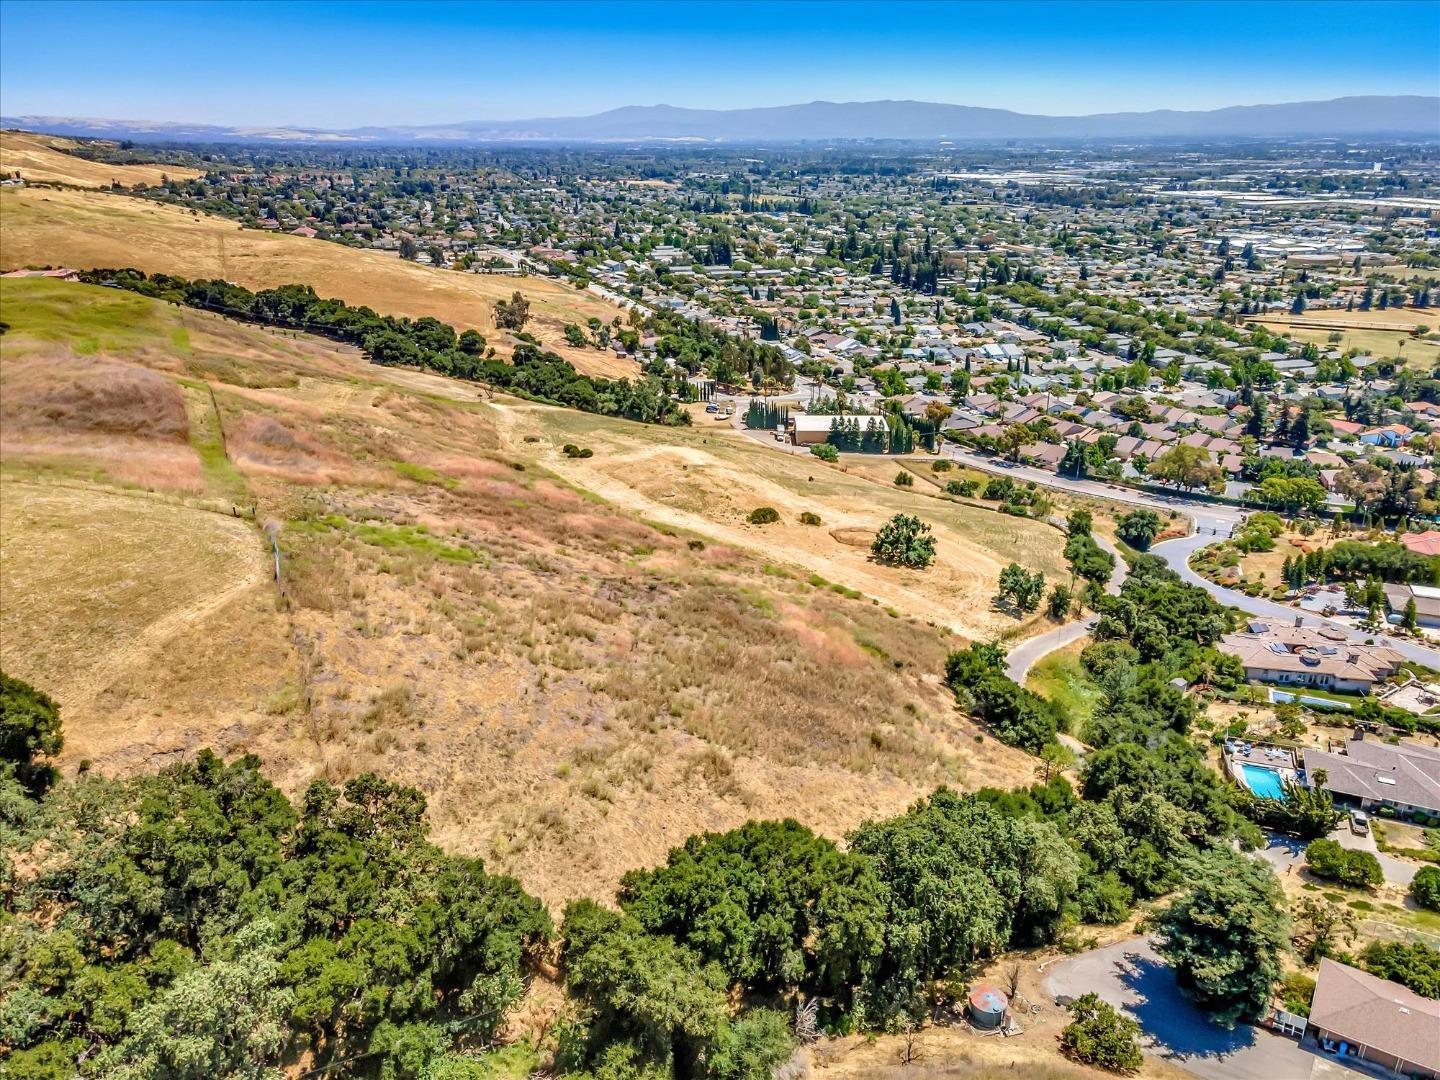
point(1375, 1021)
point(1426, 599)
point(1390, 435)
point(1303, 656)
point(1425, 543)
point(1370, 774)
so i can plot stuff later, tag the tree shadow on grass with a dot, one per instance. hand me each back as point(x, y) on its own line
point(1177, 1027)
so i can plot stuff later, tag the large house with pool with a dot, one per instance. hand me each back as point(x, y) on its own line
point(1304, 656)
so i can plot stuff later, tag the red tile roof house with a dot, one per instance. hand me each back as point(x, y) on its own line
point(1379, 1022)
point(1425, 543)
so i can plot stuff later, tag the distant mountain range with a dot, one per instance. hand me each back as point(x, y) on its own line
point(823, 120)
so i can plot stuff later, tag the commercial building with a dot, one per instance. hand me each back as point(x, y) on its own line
point(809, 430)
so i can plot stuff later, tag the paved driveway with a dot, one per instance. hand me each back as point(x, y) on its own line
point(1130, 975)
point(1286, 855)
point(1397, 871)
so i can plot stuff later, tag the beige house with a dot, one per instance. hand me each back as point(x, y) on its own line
point(1377, 1021)
point(1404, 776)
point(1425, 597)
point(810, 430)
point(1303, 656)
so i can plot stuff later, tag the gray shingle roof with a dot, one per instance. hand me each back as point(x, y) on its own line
point(1406, 773)
point(1377, 1013)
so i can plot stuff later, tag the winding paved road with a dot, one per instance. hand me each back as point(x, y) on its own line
point(1176, 554)
point(1023, 657)
point(1212, 522)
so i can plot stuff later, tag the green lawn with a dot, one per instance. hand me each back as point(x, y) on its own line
point(1060, 678)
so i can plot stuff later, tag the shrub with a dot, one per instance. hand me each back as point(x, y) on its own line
point(1357, 869)
point(570, 450)
point(963, 488)
point(904, 479)
point(809, 518)
point(1017, 716)
point(1297, 990)
point(1101, 1036)
point(29, 728)
point(1020, 587)
point(1088, 559)
point(1000, 488)
point(1058, 604)
point(1426, 888)
point(825, 452)
point(941, 466)
point(763, 515)
point(904, 540)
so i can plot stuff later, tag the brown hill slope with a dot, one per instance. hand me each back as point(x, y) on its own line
point(46, 159)
point(86, 229)
point(575, 688)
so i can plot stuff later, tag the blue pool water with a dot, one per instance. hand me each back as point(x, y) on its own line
point(1263, 782)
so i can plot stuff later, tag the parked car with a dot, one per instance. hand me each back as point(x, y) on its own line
point(1359, 822)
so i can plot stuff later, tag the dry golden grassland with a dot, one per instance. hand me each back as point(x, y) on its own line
point(1377, 333)
point(87, 229)
point(577, 686)
point(710, 478)
point(47, 159)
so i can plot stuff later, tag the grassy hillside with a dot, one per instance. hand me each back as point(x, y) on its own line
point(577, 667)
point(46, 159)
point(85, 229)
point(711, 477)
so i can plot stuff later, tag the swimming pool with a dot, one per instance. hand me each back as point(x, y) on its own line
point(1263, 782)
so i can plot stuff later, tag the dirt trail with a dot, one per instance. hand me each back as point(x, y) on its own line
point(136, 653)
point(510, 419)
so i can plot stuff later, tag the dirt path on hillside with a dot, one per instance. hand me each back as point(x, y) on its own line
point(138, 651)
point(511, 424)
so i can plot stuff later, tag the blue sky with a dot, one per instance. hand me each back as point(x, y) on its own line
point(348, 65)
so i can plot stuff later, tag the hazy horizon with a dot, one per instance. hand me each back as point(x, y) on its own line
point(339, 66)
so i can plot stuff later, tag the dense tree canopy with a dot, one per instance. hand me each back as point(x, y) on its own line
point(1138, 528)
point(1226, 933)
point(962, 882)
point(29, 728)
point(194, 923)
point(424, 342)
point(774, 905)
